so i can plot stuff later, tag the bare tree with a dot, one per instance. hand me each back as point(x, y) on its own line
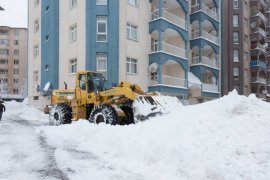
point(3, 86)
point(23, 88)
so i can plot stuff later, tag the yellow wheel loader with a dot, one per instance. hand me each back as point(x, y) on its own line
point(123, 104)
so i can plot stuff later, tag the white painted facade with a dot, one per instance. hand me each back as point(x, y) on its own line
point(34, 58)
point(137, 49)
point(71, 49)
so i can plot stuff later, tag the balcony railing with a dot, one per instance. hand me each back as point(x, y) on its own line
point(169, 81)
point(258, 80)
point(256, 1)
point(169, 17)
point(260, 30)
point(168, 48)
point(209, 87)
point(205, 61)
point(206, 10)
point(206, 35)
point(253, 14)
point(258, 46)
point(258, 63)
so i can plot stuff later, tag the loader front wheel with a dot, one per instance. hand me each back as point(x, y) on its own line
point(127, 109)
point(60, 114)
point(103, 114)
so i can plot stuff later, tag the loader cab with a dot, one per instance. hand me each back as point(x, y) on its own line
point(90, 81)
point(95, 82)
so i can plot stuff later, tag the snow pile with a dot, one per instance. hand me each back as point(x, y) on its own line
point(223, 139)
point(22, 111)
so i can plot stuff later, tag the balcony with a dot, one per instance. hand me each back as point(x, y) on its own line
point(176, 20)
point(206, 35)
point(258, 80)
point(261, 15)
point(209, 87)
point(258, 63)
point(206, 10)
point(168, 81)
point(169, 49)
point(205, 61)
point(258, 46)
point(258, 30)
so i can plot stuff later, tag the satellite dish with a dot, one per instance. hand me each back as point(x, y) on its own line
point(253, 24)
point(47, 86)
point(153, 67)
point(37, 87)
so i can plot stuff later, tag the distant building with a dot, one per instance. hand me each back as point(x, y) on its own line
point(13, 62)
point(246, 54)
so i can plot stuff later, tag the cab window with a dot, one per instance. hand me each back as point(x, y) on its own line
point(82, 80)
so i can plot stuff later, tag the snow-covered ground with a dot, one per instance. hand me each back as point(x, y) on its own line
point(223, 139)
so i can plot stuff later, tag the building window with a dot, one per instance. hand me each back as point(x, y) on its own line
point(36, 50)
point(16, 32)
point(102, 63)
point(194, 2)
point(3, 32)
point(36, 3)
point(133, 2)
point(4, 51)
point(16, 61)
point(47, 8)
point(235, 56)
point(35, 98)
point(235, 72)
point(235, 4)
point(47, 37)
point(101, 29)
point(73, 66)
point(16, 42)
point(3, 61)
point(15, 91)
point(16, 52)
point(4, 42)
point(154, 76)
point(46, 67)
point(36, 25)
point(235, 20)
point(16, 81)
point(35, 76)
point(73, 33)
point(72, 3)
point(132, 32)
point(132, 65)
point(16, 71)
point(3, 71)
point(101, 2)
point(235, 37)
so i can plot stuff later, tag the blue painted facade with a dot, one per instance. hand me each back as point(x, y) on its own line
point(111, 47)
point(50, 43)
point(199, 69)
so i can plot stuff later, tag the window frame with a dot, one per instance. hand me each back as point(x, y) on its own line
point(129, 64)
point(102, 3)
point(102, 57)
point(129, 29)
point(73, 32)
point(73, 66)
point(102, 19)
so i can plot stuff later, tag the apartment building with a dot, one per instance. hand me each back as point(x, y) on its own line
point(168, 46)
point(13, 62)
point(245, 48)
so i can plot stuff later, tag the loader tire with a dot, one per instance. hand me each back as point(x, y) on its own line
point(127, 109)
point(103, 114)
point(60, 114)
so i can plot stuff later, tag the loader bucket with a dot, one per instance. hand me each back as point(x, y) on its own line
point(149, 106)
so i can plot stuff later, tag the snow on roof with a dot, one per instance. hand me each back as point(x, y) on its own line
point(193, 81)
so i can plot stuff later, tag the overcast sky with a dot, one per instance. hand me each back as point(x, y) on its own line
point(15, 13)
